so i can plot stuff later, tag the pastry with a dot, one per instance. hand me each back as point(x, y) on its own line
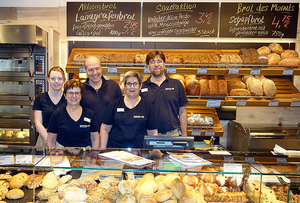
point(3, 191)
point(34, 181)
point(5, 177)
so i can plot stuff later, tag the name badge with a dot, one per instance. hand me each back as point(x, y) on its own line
point(169, 88)
point(144, 90)
point(120, 110)
point(87, 119)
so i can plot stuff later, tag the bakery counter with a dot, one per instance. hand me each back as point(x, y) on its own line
point(78, 174)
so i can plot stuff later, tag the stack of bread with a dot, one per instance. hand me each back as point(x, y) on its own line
point(278, 56)
point(251, 56)
point(11, 134)
point(173, 58)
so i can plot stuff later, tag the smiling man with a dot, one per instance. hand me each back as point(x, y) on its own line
point(98, 92)
point(167, 96)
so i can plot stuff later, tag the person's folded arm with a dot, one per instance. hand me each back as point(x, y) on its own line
point(104, 131)
point(183, 120)
point(51, 143)
point(152, 132)
point(95, 140)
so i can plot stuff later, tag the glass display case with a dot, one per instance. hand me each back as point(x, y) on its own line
point(138, 175)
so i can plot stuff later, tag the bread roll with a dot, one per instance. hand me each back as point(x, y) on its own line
point(178, 188)
point(16, 182)
point(213, 87)
point(113, 193)
point(74, 194)
point(189, 197)
point(189, 179)
point(15, 194)
point(239, 92)
point(50, 181)
point(276, 48)
point(289, 54)
point(147, 199)
point(141, 191)
point(204, 87)
point(235, 85)
point(125, 186)
point(96, 194)
point(221, 180)
point(263, 51)
point(290, 61)
point(192, 87)
point(169, 178)
point(64, 179)
point(126, 198)
point(44, 194)
point(5, 177)
point(34, 181)
point(273, 58)
point(269, 88)
point(163, 195)
point(222, 86)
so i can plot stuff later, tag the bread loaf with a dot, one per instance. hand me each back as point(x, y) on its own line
point(169, 178)
point(263, 51)
point(222, 86)
point(235, 85)
point(16, 182)
point(163, 195)
point(276, 48)
point(190, 77)
point(192, 87)
point(245, 77)
point(269, 88)
point(213, 87)
point(239, 92)
point(273, 58)
point(289, 54)
point(64, 179)
point(50, 181)
point(74, 194)
point(204, 87)
point(290, 61)
point(189, 180)
point(44, 194)
point(255, 87)
point(15, 194)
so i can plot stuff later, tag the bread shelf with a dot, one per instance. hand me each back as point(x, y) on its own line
point(215, 130)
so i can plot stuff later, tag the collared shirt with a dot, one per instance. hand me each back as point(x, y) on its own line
point(166, 99)
point(99, 101)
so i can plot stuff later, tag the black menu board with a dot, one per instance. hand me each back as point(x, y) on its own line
point(259, 20)
point(121, 19)
point(180, 19)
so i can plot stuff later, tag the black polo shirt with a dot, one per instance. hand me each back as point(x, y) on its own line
point(166, 99)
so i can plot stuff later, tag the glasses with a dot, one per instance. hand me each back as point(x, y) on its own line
point(134, 84)
point(74, 93)
point(154, 62)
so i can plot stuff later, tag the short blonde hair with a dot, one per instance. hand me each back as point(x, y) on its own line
point(132, 73)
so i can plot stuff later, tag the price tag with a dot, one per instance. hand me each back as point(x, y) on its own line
point(37, 159)
point(210, 133)
point(288, 71)
point(112, 69)
point(241, 103)
point(215, 103)
point(234, 71)
point(255, 71)
point(249, 159)
point(273, 103)
point(238, 168)
point(196, 132)
point(228, 159)
point(23, 159)
point(7, 159)
point(146, 69)
point(202, 71)
point(81, 69)
point(281, 160)
point(295, 103)
point(171, 70)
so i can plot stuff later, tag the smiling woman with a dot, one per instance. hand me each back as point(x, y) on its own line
point(73, 126)
point(129, 118)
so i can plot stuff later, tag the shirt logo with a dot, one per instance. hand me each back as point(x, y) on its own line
point(144, 89)
point(120, 110)
point(84, 126)
point(169, 88)
point(87, 119)
point(138, 116)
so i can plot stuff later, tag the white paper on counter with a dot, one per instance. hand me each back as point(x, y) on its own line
point(220, 152)
point(64, 163)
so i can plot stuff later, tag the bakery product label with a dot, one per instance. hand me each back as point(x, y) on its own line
point(144, 90)
point(120, 110)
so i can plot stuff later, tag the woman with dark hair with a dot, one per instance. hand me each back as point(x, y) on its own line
point(47, 103)
point(129, 118)
point(73, 126)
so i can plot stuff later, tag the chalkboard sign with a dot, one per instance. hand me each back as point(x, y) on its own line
point(180, 19)
point(259, 20)
point(121, 19)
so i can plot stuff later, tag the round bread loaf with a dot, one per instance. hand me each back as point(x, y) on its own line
point(178, 77)
point(74, 194)
point(192, 87)
point(125, 186)
point(44, 194)
point(276, 48)
point(273, 58)
point(141, 191)
point(178, 188)
point(255, 87)
point(161, 185)
point(134, 182)
point(17, 181)
point(148, 176)
point(289, 54)
point(168, 179)
point(163, 195)
point(50, 181)
point(87, 183)
point(263, 51)
point(269, 88)
point(126, 198)
point(113, 193)
point(15, 194)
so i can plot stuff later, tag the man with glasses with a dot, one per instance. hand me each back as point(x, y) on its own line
point(167, 96)
point(98, 92)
